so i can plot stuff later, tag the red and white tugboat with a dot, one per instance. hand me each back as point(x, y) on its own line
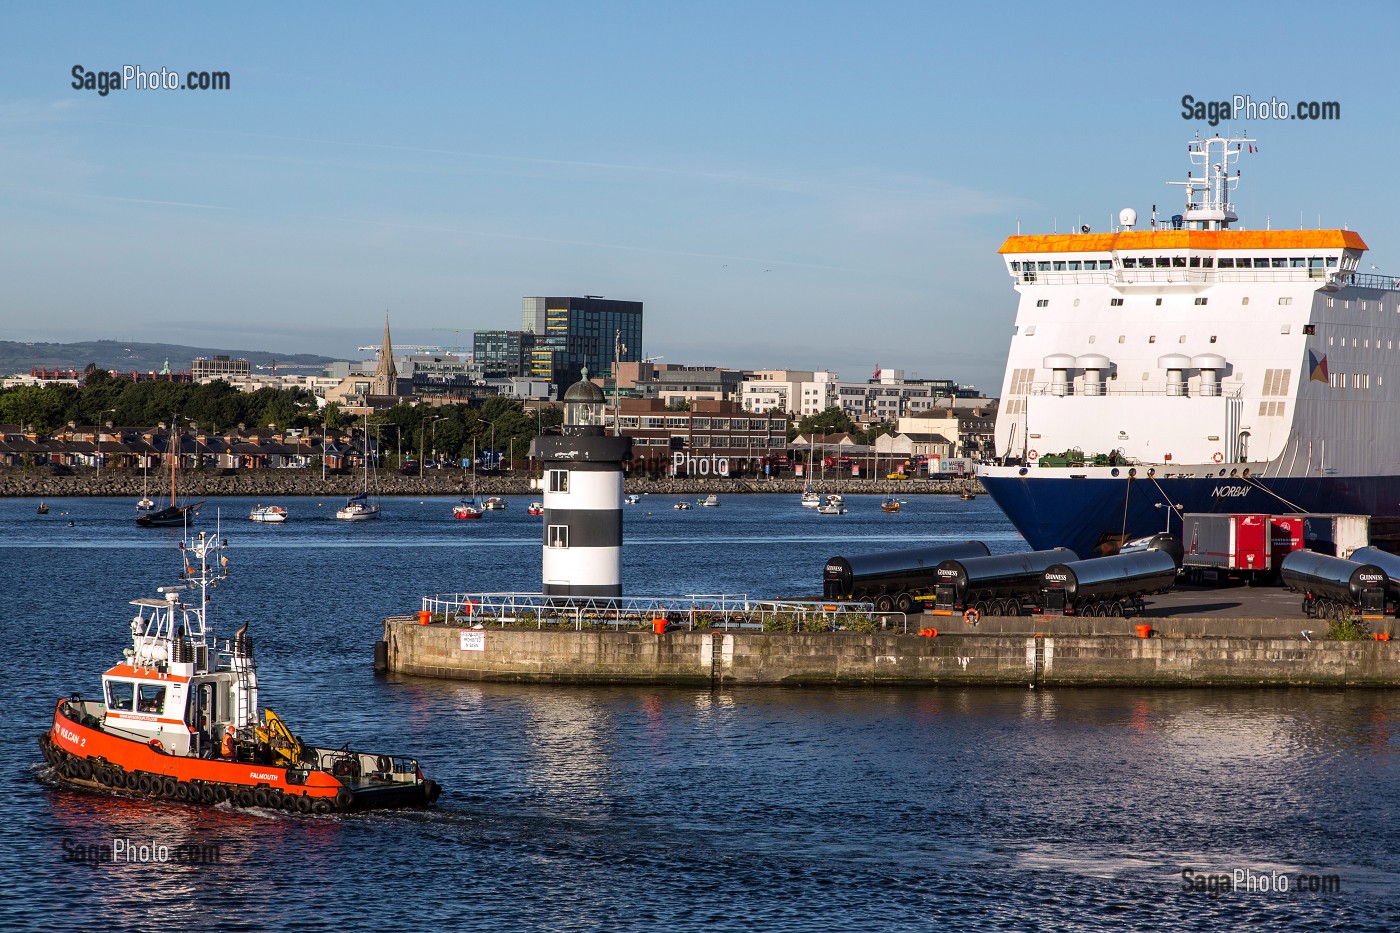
point(179, 720)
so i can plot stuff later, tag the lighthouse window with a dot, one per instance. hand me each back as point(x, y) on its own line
point(558, 536)
point(558, 480)
point(151, 699)
point(120, 694)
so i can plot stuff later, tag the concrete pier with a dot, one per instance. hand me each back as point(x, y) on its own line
point(747, 657)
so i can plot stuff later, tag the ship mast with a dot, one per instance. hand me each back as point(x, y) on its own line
point(1213, 209)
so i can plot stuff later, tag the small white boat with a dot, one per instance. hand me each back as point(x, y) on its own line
point(494, 502)
point(268, 513)
point(535, 508)
point(357, 509)
point(682, 506)
point(834, 505)
point(810, 500)
point(632, 499)
point(709, 501)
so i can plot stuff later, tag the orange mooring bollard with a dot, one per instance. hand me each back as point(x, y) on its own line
point(1382, 636)
point(658, 626)
point(1144, 631)
point(424, 617)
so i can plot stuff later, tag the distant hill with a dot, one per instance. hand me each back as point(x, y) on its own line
point(142, 357)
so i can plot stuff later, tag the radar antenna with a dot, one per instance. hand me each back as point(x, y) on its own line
point(1208, 205)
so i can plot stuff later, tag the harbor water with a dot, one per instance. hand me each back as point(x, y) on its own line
point(665, 808)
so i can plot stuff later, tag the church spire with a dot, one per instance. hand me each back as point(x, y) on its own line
point(386, 377)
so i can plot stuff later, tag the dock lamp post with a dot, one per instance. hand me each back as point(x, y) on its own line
point(1170, 507)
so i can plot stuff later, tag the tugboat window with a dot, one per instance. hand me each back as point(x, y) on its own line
point(120, 694)
point(151, 699)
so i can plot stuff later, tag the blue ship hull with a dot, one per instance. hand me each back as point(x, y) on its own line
point(1081, 514)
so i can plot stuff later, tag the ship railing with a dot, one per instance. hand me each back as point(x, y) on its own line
point(1189, 276)
point(1145, 389)
point(722, 611)
point(1388, 283)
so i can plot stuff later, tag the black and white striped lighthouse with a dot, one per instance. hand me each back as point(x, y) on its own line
point(582, 487)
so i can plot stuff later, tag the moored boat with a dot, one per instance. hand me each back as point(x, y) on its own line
point(268, 513)
point(179, 720)
point(834, 505)
point(493, 503)
point(711, 501)
point(535, 508)
point(43, 508)
point(468, 508)
point(889, 504)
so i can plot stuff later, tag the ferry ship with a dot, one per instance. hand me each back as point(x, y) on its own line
point(1193, 367)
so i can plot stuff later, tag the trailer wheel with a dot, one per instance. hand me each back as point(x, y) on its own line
point(1115, 609)
point(904, 602)
point(883, 603)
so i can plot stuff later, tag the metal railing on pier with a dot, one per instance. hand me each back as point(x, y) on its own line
point(691, 612)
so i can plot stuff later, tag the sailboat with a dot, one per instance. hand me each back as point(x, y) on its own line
point(145, 503)
point(358, 508)
point(173, 514)
point(473, 507)
point(810, 499)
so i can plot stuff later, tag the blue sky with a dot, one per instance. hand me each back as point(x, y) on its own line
point(811, 185)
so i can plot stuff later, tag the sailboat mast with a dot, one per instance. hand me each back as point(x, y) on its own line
point(174, 456)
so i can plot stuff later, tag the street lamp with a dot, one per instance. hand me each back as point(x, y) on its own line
point(422, 450)
point(1169, 507)
point(104, 411)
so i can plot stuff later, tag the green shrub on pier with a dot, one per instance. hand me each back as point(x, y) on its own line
point(1348, 628)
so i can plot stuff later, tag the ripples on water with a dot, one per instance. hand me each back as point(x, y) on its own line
point(677, 809)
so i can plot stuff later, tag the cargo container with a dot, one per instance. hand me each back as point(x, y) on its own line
point(1221, 546)
point(1335, 534)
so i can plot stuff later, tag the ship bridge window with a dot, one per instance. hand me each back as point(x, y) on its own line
point(120, 695)
point(1297, 262)
point(1280, 263)
point(151, 699)
point(1074, 265)
point(1261, 263)
point(1226, 263)
point(1059, 265)
point(1195, 262)
point(1331, 262)
point(1178, 262)
point(1043, 266)
point(1309, 329)
point(1105, 264)
point(1129, 263)
point(1164, 262)
point(1314, 262)
point(1015, 265)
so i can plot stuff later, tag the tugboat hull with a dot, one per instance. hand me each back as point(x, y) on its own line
point(82, 754)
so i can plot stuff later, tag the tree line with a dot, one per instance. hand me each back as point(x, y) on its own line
point(219, 408)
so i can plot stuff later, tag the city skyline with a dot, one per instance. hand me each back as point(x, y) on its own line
point(784, 186)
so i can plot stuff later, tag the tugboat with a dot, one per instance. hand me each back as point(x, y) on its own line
point(535, 508)
point(179, 720)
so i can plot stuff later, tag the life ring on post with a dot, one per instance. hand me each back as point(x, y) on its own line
point(971, 616)
point(1032, 455)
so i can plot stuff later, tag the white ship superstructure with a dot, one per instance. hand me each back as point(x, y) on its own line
point(1244, 360)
